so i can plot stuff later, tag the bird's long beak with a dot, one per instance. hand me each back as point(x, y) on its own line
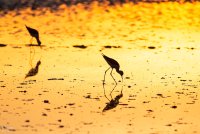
point(122, 79)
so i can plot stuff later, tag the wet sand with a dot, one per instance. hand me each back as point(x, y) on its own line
point(157, 48)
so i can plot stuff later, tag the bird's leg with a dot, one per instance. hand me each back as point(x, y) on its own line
point(122, 89)
point(30, 60)
point(105, 92)
point(112, 91)
point(32, 55)
point(105, 75)
point(31, 40)
point(112, 76)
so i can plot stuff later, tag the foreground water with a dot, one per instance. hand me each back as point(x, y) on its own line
point(158, 50)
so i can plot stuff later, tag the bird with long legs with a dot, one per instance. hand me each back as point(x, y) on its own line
point(113, 65)
point(34, 34)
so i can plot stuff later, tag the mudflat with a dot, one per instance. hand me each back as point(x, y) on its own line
point(156, 45)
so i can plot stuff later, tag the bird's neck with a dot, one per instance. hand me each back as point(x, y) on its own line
point(37, 66)
point(117, 70)
point(38, 41)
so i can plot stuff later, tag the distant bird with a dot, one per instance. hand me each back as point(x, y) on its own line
point(33, 71)
point(34, 33)
point(113, 64)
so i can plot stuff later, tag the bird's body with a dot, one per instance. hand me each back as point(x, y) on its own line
point(34, 33)
point(113, 64)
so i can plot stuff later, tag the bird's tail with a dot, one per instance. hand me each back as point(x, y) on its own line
point(102, 54)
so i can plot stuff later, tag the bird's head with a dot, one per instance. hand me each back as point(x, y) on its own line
point(39, 43)
point(38, 63)
point(121, 73)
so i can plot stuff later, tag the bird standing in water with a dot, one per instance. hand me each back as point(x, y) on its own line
point(34, 33)
point(113, 64)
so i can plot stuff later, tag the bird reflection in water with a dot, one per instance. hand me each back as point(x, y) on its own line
point(33, 71)
point(113, 102)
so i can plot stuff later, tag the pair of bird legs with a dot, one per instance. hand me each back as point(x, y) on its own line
point(31, 42)
point(110, 74)
point(32, 50)
point(110, 92)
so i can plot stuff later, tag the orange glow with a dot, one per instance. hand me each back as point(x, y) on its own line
point(157, 46)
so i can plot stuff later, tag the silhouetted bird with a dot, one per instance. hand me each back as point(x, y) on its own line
point(113, 64)
point(34, 70)
point(34, 33)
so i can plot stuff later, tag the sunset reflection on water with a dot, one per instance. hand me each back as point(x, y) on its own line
point(157, 46)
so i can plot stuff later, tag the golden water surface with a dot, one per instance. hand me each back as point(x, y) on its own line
point(157, 46)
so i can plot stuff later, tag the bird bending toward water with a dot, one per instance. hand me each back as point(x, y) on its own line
point(34, 33)
point(113, 64)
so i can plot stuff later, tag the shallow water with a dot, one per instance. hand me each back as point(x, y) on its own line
point(159, 93)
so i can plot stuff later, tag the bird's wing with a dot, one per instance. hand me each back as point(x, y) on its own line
point(111, 61)
point(33, 32)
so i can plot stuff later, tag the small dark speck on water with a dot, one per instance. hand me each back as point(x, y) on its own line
point(7, 65)
point(12, 129)
point(23, 91)
point(160, 95)
point(27, 120)
point(88, 96)
point(56, 79)
point(146, 101)
point(112, 46)
point(80, 46)
point(174, 107)
point(46, 101)
point(44, 114)
point(3, 45)
point(61, 126)
point(169, 125)
point(192, 48)
point(183, 80)
point(71, 104)
point(151, 47)
point(87, 123)
point(17, 47)
point(149, 110)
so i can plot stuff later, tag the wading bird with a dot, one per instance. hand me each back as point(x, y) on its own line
point(113, 64)
point(34, 33)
